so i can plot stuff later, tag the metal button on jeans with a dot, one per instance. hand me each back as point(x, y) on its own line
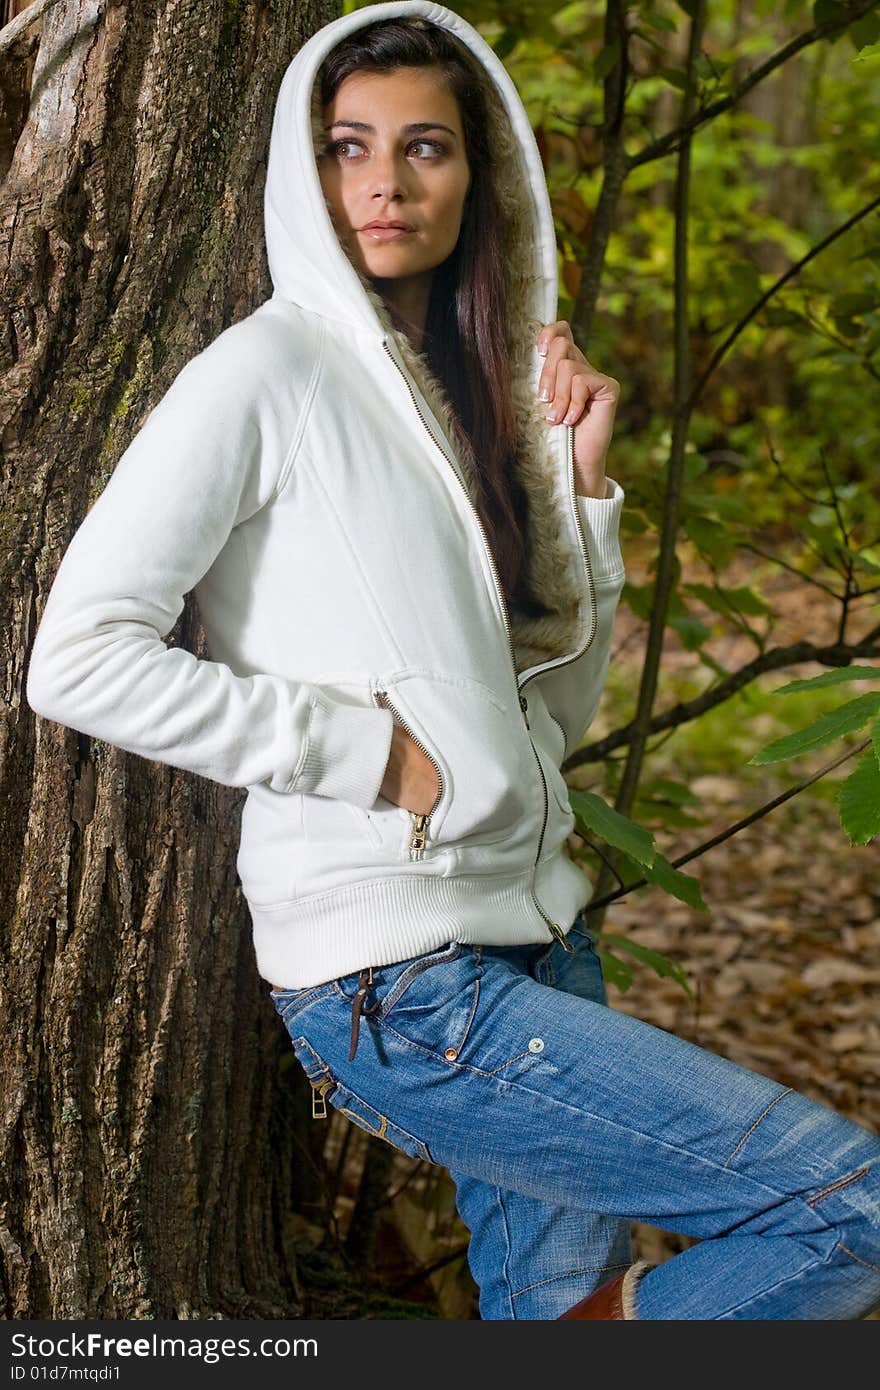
point(536, 1045)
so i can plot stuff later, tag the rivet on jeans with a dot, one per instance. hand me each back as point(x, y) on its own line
point(450, 1054)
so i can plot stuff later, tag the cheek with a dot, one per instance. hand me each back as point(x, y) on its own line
point(450, 206)
point(337, 194)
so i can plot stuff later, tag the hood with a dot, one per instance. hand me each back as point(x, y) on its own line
point(309, 267)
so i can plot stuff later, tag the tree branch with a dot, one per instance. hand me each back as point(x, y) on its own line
point(686, 710)
point(673, 139)
point(759, 303)
point(733, 829)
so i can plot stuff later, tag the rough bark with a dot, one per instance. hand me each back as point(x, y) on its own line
point(139, 1048)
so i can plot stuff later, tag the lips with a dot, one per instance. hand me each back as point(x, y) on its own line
point(387, 227)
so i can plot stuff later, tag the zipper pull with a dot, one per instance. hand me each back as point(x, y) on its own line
point(561, 937)
point(365, 980)
point(524, 706)
point(419, 831)
point(319, 1097)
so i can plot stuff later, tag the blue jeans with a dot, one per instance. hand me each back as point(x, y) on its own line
point(561, 1120)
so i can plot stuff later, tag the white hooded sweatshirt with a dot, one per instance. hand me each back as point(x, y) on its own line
point(303, 477)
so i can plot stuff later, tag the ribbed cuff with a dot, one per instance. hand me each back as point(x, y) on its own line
point(600, 517)
point(347, 752)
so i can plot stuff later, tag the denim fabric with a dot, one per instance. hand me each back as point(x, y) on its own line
point(561, 1120)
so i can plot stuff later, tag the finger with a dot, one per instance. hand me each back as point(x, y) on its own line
point(559, 351)
point(572, 390)
point(550, 331)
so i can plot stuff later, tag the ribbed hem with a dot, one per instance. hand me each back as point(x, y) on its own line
point(629, 1285)
point(383, 920)
point(600, 517)
point(347, 748)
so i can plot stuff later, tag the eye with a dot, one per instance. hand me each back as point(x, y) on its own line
point(432, 145)
point(335, 146)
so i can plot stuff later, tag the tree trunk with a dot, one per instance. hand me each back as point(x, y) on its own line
point(140, 1050)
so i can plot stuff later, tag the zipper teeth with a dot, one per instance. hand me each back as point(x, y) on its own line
point(587, 567)
point(381, 697)
point(477, 517)
point(554, 927)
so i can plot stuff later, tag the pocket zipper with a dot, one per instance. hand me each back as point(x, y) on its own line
point(553, 927)
point(421, 819)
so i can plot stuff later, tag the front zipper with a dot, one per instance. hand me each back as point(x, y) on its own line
point(553, 927)
point(421, 819)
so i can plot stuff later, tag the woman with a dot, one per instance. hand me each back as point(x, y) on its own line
point(408, 578)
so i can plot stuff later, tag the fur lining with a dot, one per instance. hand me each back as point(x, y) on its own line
point(628, 1287)
point(553, 566)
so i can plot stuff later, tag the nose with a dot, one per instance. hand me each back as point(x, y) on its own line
point(388, 177)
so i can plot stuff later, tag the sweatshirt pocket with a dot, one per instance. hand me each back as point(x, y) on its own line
point(478, 748)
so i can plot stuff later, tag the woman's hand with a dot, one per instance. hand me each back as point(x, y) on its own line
point(578, 395)
point(410, 777)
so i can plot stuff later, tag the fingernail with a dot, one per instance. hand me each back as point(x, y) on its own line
point(552, 415)
point(545, 394)
point(542, 349)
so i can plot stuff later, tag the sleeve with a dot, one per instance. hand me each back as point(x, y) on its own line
point(572, 692)
point(207, 457)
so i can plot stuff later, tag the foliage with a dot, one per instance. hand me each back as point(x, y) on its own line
point(782, 305)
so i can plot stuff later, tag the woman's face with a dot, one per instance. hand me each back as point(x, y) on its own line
point(394, 152)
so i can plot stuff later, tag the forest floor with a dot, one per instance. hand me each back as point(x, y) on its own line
point(785, 966)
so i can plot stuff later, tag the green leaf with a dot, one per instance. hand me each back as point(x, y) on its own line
point(709, 535)
point(864, 31)
point(843, 720)
point(828, 12)
point(663, 966)
point(682, 886)
point(673, 791)
point(614, 971)
point(875, 740)
point(692, 632)
point(854, 302)
point(674, 76)
point(658, 21)
point(614, 829)
point(832, 677)
point(741, 600)
point(858, 799)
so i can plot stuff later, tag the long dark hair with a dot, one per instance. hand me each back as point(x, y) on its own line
point(464, 340)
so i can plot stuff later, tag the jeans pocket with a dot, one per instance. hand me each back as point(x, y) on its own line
point(432, 1001)
point(353, 1106)
point(291, 1002)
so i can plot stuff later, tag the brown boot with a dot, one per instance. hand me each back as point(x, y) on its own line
point(613, 1299)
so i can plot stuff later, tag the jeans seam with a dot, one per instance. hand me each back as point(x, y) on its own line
point(771, 1288)
point(833, 1187)
point(470, 1018)
point(846, 1250)
point(505, 1267)
point(569, 1274)
point(649, 1138)
point(789, 1090)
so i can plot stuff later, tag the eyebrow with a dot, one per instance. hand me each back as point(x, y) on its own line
point(414, 128)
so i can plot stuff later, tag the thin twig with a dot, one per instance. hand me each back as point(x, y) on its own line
point(671, 142)
point(687, 710)
point(734, 829)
